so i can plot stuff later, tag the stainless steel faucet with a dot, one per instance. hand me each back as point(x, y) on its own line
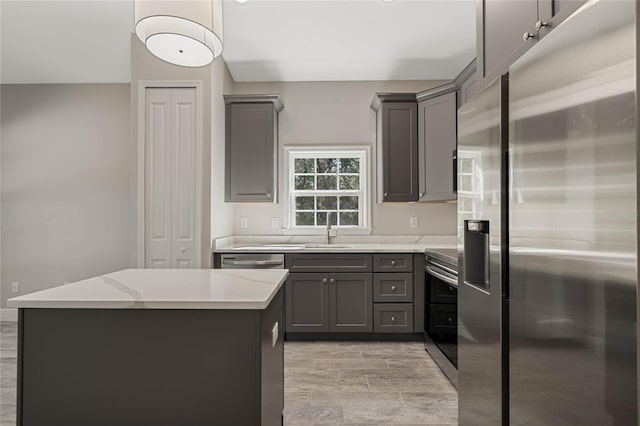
point(328, 236)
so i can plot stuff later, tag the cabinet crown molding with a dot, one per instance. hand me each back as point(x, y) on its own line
point(252, 99)
point(378, 98)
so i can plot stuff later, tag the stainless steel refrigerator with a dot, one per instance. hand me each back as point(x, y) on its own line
point(547, 199)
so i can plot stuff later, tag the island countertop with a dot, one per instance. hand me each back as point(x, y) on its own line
point(163, 289)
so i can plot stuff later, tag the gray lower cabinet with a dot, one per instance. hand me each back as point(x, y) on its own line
point(251, 148)
point(307, 302)
point(397, 146)
point(350, 303)
point(393, 317)
point(437, 142)
point(340, 302)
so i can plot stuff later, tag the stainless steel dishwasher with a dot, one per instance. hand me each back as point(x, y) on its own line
point(252, 261)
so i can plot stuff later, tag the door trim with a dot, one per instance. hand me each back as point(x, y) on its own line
point(143, 85)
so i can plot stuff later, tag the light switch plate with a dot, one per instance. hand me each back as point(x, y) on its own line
point(244, 222)
point(413, 221)
point(274, 335)
point(275, 222)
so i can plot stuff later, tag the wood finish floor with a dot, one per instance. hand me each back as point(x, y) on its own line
point(326, 383)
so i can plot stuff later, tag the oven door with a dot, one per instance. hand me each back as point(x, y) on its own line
point(442, 309)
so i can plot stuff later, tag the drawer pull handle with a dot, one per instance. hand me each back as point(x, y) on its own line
point(393, 319)
point(332, 281)
point(393, 263)
point(393, 288)
point(450, 288)
point(450, 320)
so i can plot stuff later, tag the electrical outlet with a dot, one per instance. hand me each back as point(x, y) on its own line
point(275, 222)
point(15, 287)
point(244, 222)
point(413, 222)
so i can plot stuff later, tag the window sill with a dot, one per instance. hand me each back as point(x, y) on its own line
point(340, 231)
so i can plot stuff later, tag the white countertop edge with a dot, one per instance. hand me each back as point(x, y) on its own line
point(30, 301)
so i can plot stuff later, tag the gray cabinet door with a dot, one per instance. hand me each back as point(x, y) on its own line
point(251, 152)
point(553, 12)
point(500, 27)
point(399, 151)
point(307, 300)
point(437, 135)
point(350, 303)
point(468, 88)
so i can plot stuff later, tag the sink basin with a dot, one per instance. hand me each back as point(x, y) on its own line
point(328, 246)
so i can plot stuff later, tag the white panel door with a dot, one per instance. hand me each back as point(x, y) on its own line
point(170, 178)
point(184, 179)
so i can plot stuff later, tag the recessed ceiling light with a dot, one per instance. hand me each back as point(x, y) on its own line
point(241, 1)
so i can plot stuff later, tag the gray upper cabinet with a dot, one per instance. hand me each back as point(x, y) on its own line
point(437, 141)
point(397, 146)
point(507, 29)
point(467, 83)
point(251, 148)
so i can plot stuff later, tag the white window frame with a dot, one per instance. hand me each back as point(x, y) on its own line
point(362, 152)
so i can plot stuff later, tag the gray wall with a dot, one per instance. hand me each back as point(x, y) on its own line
point(338, 113)
point(65, 183)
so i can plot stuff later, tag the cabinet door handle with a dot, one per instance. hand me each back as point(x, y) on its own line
point(385, 194)
point(393, 288)
point(421, 194)
point(527, 36)
point(268, 194)
point(332, 281)
point(541, 24)
point(450, 320)
point(324, 280)
point(454, 156)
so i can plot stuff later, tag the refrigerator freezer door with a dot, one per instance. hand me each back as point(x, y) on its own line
point(572, 233)
point(482, 141)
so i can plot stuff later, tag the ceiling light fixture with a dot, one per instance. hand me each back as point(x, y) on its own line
point(182, 32)
point(241, 1)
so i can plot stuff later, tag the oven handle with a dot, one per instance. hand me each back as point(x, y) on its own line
point(444, 268)
point(441, 276)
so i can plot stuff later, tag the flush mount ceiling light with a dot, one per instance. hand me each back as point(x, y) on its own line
point(182, 32)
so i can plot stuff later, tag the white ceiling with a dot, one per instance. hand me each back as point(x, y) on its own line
point(308, 40)
point(88, 41)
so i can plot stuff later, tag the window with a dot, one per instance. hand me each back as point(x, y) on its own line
point(325, 182)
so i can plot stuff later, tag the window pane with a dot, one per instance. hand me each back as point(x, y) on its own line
point(304, 182)
point(304, 219)
point(327, 182)
point(321, 218)
point(327, 165)
point(304, 203)
point(305, 165)
point(348, 203)
point(349, 182)
point(349, 218)
point(327, 203)
point(349, 165)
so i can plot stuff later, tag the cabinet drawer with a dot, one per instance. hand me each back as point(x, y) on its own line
point(443, 319)
point(393, 262)
point(441, 292)
point(393, 287)
point(338, 262)
point(393, 317)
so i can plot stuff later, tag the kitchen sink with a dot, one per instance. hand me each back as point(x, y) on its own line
point(328, 246)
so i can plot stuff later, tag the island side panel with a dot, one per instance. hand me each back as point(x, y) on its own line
point(272, 362)
point(137, 367)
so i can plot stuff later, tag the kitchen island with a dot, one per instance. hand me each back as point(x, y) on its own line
point(153, 347)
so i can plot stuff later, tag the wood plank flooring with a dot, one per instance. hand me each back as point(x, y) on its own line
point(326, 383)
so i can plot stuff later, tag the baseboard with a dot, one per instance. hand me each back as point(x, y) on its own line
point(8, 314)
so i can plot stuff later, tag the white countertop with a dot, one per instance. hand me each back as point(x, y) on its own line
point(331, 248)
point(163, 289)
